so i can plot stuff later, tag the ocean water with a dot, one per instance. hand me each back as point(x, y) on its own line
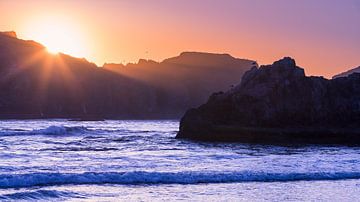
point(59, 160)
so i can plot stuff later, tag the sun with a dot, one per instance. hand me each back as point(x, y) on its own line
point(59, 34)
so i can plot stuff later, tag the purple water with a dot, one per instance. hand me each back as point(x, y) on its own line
point(50, 160)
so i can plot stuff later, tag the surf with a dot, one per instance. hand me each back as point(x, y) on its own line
point(142, 177)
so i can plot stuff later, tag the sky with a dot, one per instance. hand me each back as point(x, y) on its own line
point(322, 35)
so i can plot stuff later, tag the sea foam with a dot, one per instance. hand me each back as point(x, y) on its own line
point(51, 130)
point(38, 195)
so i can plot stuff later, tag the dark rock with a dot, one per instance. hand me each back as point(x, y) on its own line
point(278, 104)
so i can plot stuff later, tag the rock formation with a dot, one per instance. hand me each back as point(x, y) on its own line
point(36, 84)
point(278, 104)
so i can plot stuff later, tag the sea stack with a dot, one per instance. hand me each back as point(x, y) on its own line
point(278, 104)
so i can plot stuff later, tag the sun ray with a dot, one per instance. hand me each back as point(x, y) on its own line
point(71, 83)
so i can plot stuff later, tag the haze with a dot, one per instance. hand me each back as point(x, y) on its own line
point(322, 35)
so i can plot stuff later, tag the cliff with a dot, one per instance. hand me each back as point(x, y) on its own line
point(186, 80)
point(37, 84)
point(278, 104)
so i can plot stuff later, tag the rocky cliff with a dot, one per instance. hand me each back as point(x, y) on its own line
point(278, 104)
point(36, 84)
point(186, 80)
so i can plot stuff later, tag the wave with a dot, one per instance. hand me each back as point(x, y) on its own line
point(140, 177)
point(61, 130)
point(38, 195)
point(67, 130)
point(51, 130)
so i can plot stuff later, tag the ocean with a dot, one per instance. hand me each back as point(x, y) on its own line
point(140, 160)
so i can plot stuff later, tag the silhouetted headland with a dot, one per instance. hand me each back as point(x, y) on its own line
point(37, 84)
point(278, 104)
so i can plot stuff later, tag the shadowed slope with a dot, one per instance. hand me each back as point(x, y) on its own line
point(36, 84)
point(186, 80)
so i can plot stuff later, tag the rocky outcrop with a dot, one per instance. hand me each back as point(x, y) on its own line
point(9, 33)
point(36, 84)
point(278, 104)
point(347, 73)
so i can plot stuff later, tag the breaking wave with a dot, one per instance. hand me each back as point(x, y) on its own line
point(38, 195)
point(139, 177)
point(67, 130)
point(51, 130)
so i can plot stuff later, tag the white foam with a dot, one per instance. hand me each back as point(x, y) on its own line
point(38, 195)
point(60, 130)
point(51, 130)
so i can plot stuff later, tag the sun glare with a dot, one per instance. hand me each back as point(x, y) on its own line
point(59, 35)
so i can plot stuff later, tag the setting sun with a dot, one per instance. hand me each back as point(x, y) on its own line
point(59, 34)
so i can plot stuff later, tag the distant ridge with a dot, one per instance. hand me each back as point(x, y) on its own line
point(205, 59)
point(36, 84)
point(347, 73)
point(9, 33)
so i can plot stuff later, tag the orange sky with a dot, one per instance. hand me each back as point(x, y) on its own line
point(323, 35)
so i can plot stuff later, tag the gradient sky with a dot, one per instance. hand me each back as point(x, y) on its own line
point(322, 35)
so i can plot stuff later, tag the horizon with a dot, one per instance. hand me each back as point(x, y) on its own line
point(174, 56)
point(322, 36)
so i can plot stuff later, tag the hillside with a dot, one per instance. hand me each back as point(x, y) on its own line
point(37, 84)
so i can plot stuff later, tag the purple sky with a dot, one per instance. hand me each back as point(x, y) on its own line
point(322, 35)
